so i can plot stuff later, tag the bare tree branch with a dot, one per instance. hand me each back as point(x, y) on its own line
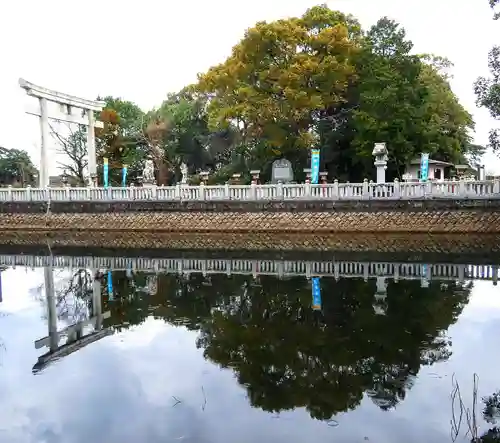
point(75, 148)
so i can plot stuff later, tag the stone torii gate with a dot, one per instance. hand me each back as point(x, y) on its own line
point(67, 103)
point(75, 335)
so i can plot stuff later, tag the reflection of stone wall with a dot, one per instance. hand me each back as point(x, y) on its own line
point(415, 247)
point(437, 216)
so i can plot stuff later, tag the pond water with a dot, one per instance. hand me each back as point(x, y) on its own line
point(158, 357)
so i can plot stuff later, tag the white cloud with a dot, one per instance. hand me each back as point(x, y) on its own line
point(141, 51)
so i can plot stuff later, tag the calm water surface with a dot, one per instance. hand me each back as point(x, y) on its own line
point(237, 359)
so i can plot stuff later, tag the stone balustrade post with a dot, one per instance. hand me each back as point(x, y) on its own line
point(323, 177)
point(307, 188)
point(395, 276)
point(397, 188)
point(279, 190)
point(28, 192)
point(227, 192)
point(154, 191)
point(462, 190)
point(9, 192)
point(178, 194)
point(336, 190)
point(366, 189)
point(202, 191)
point(308, 173)
point(253, 190)
point(496, 186)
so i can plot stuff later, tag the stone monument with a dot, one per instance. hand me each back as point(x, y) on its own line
point(380, 153)
point(282, 171)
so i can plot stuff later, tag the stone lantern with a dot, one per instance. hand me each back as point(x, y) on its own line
point(236, 179)
point(64, 178)
point(380, 153)
point(255, 173)
point(204, 177)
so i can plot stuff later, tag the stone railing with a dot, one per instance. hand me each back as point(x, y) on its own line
point(278, 268)
point(330, 191)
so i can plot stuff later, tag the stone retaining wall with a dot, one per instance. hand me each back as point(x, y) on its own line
point(415, 216)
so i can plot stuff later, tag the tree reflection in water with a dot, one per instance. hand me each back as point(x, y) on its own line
point(491, 414)
point(287, 355)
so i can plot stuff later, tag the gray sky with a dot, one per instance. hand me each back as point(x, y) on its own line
point(142, 50)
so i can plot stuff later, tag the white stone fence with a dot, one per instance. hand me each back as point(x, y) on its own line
point(328, 191)
point(280, 268)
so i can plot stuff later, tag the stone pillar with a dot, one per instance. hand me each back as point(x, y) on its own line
point(48, 275)
point(91, 149)
point(44, 131)
point(380, 153)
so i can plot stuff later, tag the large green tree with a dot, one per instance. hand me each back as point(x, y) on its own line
point(16, 167)
point(487, 89)
point(398, 98)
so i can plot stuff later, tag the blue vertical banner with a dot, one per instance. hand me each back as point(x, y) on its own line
point(424, 167)
point(105, 172)
point(110, 286)
point(315, 166)
point(316, 294)
point(124, 175)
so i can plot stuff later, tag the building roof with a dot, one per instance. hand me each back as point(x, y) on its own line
point(416, 161)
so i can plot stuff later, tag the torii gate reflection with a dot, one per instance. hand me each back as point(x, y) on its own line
point(75, 337)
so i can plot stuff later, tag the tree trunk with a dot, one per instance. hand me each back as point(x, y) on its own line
point(160, 166)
